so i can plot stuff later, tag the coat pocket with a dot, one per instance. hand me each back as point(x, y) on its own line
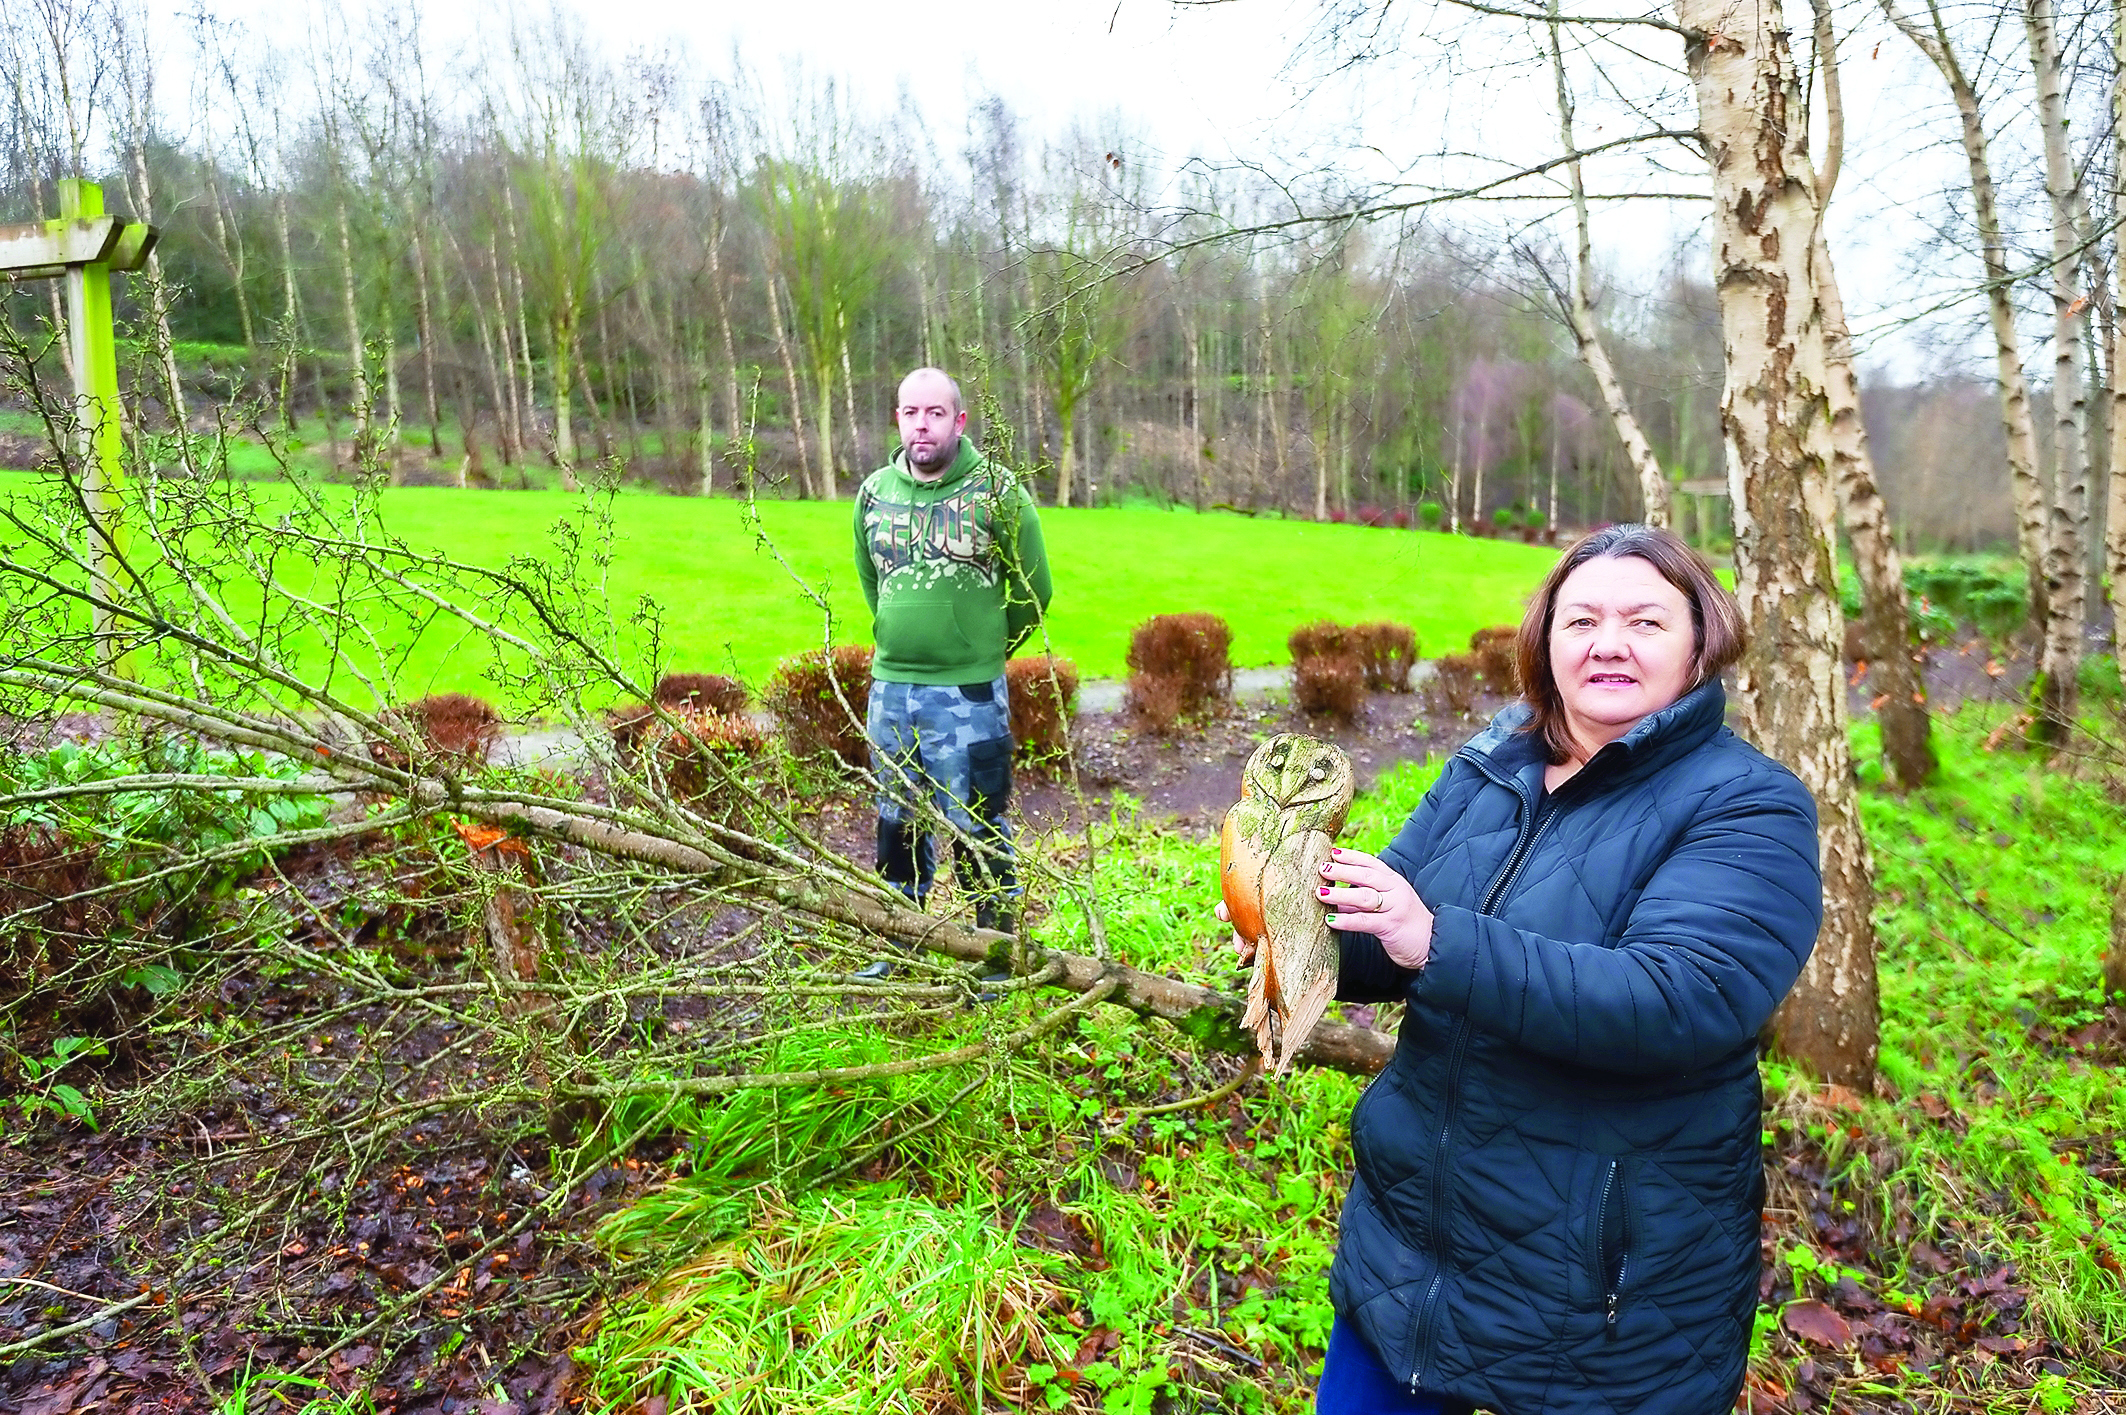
point(1613, 1240)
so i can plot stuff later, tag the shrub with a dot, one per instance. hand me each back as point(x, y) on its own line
point(42, 878)
point(1328, 685)
point(679, 693)
point(697, 754)
point(1319, 639)
point(1493, 651)
point(447, 725)
point(1182, 659)
point(1044, 694)
point(1503, 518)
point(1154, 702)
point(701, 692)
point(1386, 654)
point(1997, 611)
point(1430, 513)
point(1455, 680)
point(802, 697)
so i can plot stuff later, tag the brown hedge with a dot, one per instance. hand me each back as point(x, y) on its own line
point(1494, 652)
point(1329, 685)
point(1180, 666)
point(1386, 652)
point(1456, 679)
point(801, 695)
point(701, 692)
point(1044, 693)
point(448, 725)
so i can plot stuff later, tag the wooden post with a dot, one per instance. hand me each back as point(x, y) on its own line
point(83, 246)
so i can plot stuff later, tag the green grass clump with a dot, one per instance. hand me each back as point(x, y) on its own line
point(1994, 890)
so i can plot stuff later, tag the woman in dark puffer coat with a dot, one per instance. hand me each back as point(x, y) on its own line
point(1590, 916)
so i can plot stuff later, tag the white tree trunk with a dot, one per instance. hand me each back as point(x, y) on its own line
point(2017, 423)
point(1587, 331)
point(1775, 414)
point(2067, 513)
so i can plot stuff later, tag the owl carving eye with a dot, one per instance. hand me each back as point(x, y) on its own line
point(1318, 774)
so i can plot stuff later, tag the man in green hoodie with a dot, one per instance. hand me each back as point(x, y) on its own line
point(949, 552)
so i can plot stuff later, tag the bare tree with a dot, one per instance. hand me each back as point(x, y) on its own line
point(1776, 416)
point(1580, 311)
point(1901, 704)
point(2067, 512)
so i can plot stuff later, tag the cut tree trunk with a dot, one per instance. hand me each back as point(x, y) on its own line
point(1776, 417)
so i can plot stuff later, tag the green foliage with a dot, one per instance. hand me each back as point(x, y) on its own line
point(2099, 679)
point(135, 827)
point(1994, 887)
point(1430, 513)
point(47, 1093)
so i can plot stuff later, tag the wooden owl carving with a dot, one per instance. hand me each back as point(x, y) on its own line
point(1294, 795)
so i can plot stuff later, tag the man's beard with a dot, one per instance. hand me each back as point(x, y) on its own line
point(938, 460)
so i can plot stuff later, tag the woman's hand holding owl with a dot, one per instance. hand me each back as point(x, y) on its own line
point(1378, 901)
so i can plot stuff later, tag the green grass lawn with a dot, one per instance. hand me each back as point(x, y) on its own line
point(726, 601)
point(727, 604)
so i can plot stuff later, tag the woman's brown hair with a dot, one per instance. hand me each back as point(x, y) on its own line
point(1716, 621)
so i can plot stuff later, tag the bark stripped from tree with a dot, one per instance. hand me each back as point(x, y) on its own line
point(2067, 513)
point(1586, 331)
point(1776, 418)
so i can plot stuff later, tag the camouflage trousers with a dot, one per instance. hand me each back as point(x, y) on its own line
point(944, 751)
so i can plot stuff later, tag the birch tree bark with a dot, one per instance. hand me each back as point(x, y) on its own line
point(2018, 425)
point(2055, 694)
point(358, 362)
point(1586, 331)
point(1775, 415)
point(2115, 501)
point(1886, 626)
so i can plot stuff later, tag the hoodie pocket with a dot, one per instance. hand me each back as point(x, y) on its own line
point(923, 631)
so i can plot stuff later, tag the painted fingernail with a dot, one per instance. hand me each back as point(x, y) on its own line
point(1326, 891)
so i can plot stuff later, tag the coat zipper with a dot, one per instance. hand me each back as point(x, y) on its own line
point(1613, 1270)
point(1539, 821)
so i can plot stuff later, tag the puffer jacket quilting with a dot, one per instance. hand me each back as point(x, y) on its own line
point(1559, 1174)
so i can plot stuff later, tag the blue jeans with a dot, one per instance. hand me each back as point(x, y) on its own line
point(1353, 1382)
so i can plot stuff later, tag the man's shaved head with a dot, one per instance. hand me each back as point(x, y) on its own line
point(925, 381)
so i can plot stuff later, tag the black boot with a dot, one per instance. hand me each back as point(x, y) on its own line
point(901, 859)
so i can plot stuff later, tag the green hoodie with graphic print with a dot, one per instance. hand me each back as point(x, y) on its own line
point(954, 570)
